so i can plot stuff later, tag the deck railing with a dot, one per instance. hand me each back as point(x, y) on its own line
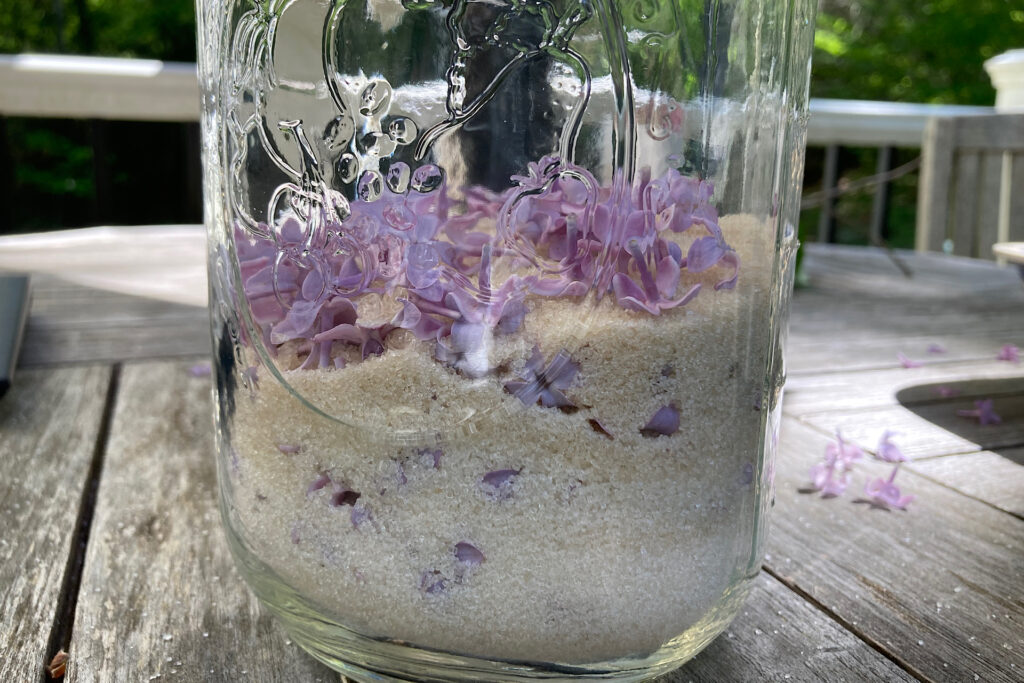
point(60, 86)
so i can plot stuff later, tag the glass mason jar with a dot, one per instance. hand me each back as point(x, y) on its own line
point(497, 296)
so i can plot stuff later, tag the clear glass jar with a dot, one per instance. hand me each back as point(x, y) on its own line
point(497, 297)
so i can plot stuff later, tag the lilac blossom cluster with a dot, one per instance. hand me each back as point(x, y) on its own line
point(831, 477)
point(558, 232)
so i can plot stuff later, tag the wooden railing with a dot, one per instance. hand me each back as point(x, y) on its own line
point(135, 89)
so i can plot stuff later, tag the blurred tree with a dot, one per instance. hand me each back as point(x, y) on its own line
point(924, 51)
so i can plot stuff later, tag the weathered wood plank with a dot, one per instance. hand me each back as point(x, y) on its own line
point(990, 185)
point(996, 478)
point(938, 587)
point(780, 637)
point(930, 429)
point(809, 393)
point(965, 202)
point(160, 596)
point(73, 324)
point(49, 425)
point(936, 173)
point(1015, 231)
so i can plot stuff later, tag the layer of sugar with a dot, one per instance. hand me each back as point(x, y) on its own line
point(601, 548)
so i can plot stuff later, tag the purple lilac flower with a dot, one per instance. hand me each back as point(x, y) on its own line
point(545, 385)
point(889, 451)
point(303, 277)
point(664, 422)
point(935, 347)
point(983, 411)
point(908, 363)
point(884, 493)
point(832, 476)
point(1009, 353)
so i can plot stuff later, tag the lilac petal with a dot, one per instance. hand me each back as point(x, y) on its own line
point(630, 296)
point(288, 449)
point(499, 478)
point(297, 322)
point(432, 456)
point(200, 370)
point(889, 451)
point(703, 254)
point(936, 348)
point(468, 554)
point(313, 286)
point(1009, 353)
point(731, 258)
point(667, 276)
point(684, 299)
point(664, 422)
point(596, 425)
point(321, 481)
point(344, 332)
point(433, 582)
point(359, 515)
point(511, 318)
point(561, 371)
point(906, 362)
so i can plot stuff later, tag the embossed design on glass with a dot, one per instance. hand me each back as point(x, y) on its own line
point(498, 291)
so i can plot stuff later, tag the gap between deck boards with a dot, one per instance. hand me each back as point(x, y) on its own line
point(67, 600)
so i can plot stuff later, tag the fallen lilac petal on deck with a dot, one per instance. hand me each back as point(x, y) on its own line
point(1009, 353)
point(983, 411)
point(200, 370)
point(889, 451)
point(832, 476)
point(908, 363)
point(468, 554)
point(664, 422)
point(289, 448)
point(936, 348)
point(884, 493)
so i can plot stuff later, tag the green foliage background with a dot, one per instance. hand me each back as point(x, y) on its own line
point(910, 51)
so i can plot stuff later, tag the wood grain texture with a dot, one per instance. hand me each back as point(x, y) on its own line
point(73, 324)
point(936, 173)
point(160, 596)
point(938, 587)
point(810, 393)
point(995, 478)
point(49, 425)
point(930, 429)
point(966, 179)
point(990, 187)
point(780, 637)
point(1016, 219)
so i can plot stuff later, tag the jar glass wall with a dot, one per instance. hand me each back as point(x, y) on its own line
point(497, 296)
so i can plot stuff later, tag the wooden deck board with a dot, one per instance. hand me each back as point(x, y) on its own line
point(73, 324)
point(930, 429)
point(938, 587)
point(995, 478)
point(160, 596)
point(780, 637)
point(49, 426)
